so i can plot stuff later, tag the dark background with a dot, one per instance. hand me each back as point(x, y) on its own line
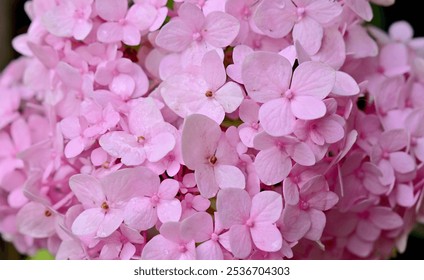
point(18, 21)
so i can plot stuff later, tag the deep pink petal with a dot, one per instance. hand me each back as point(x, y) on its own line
point(295, 223)
point(394, 140)
point(367, 231)
point(359, 247)
point(318, 221)
point(402, 162)
point(290, 192)
point(385, 218)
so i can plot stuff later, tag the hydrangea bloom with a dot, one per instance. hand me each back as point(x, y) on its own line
point(227, 129)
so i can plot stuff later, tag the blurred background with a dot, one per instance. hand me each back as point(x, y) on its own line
point(14, 21)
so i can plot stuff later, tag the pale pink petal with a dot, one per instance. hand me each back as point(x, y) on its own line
point(192, 15)
point(313, 79)
point(87, 189)
point(111, 10)
point(272, 166)
point(249, 111)
point(385, 218)
point(169, 210)
point(229, 96)
point(110, 32)
point(240, 241)
point(88, 222)
point(211, 108)
point(74, 147)
point(160, 248)
point(228, 176)
point(131, 35)
point(301, 153)
point(266, 237)
point(220, 29)
point(277, 118)
point(36, 220)
point(175, 36)
point(123, 85)
point(308, 107)
point(209, 250)
point(361, 8)
point(111, 222)
point(127, 183)
point(323, 11)
point(159, 146)
point(140, 214)
point(309, 33)
point(233, 206)
point(345, 85)
point(123, 145)
point(401, 31)
point(200, 138)
point(206, 181)
point(213, 70)
point(266, 207)
point(275, 17)
point(168, 189)
point(275, 73)
point(20, 132)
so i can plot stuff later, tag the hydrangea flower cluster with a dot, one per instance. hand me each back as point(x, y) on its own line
point(211, 129)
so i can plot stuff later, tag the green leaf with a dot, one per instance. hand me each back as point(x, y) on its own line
point(42, 254)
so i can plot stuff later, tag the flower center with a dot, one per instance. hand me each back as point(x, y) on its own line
point(106, 165)
point(300, 13)
point(213, 159)
point(155, 200)
point(105, 206)
point(47, 213)
point(140, 139)
point(182, 248)
point(209, 94)
point(214, 237)
point(304, 205)
point(289, 94)
point(250, 223)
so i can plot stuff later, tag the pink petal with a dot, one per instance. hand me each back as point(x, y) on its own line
point(331, 130)
point(405, 195)
point(308, 107)
point(266, 237)
point(229, 96)
point(228, 176)
point(233, 206)
point(318, 221)
point(295, 223)
point(200, 138)
point(32, 221)
point(249, 111)
point(323, 11)
point(313, 79)
point(112, 220)
point(361, 8)
point(110, 32)
point(402, 162)
point(123, 85)
point(276, 117)
point(275, 17)
point(394, 59)
point(111, 10)
point(168, 189)
point(272, 166)
point(169, 210)
point(213, 70)
point(123, 145)
point(74, 147)
point(160, 248)
point(159, 146)
point(275, 73)
point(301, 153)
point(324, 200)
point(192, 15)
point(209, 250)
point(127, 183)
point(197, 227)
point(266, 207)
point(87, 189)
point(140, 214)
point(401, 31)
point(20, 132)
point(367, 231)
point(175, 36)
point(345, 85)
point(221, 29)
point(143, 116)
point(385, 218)
point(309, 33)
point(240, 241)
point(394, 140)
point(290, 192)
point(131, 35)
point(414, 123)
point(206, 181)
point(359, 247)
point(88, 222)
